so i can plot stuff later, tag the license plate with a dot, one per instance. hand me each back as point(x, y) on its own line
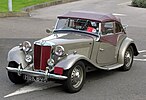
point(35, 78)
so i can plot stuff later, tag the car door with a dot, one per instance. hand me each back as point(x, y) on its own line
point(108, 41)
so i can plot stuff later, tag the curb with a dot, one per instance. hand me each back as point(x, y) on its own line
point(26, 11)
point(14, 14)
point(30, 8)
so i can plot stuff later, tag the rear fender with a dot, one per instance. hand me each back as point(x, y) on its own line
point(125, 44)
point(17, 55)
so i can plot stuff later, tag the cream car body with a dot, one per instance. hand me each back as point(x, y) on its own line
point(81, 42)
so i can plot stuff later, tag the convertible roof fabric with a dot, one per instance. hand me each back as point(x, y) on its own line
point(100, 17)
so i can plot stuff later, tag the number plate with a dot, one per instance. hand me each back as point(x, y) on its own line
point(35, 78)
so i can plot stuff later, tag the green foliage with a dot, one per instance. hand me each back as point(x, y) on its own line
point(19, 4)
point(139, 3)
point(3, 5)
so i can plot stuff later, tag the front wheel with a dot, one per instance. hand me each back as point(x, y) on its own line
point(128, 59)
point(14, 77)
point(76, 77)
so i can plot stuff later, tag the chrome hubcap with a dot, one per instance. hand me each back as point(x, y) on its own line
point(77, 76)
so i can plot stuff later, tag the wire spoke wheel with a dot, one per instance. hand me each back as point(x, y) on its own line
point(128, 59)
point(76, 77)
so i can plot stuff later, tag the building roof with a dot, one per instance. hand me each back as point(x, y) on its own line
point(101, 17)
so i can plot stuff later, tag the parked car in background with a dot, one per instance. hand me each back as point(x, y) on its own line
point(80, 42)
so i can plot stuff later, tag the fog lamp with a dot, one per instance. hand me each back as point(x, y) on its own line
point(28, 58)
point(50, 62)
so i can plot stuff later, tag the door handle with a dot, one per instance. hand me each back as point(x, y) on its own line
point(101, 49)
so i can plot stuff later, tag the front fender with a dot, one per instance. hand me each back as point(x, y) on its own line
point(125, 44)
point(70, 60)
point(15, 54)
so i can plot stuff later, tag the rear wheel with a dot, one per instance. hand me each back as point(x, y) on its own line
point(14, 77)
point(76, 77)
point(128, 59)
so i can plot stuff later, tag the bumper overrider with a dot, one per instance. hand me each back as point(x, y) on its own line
point(44, 74)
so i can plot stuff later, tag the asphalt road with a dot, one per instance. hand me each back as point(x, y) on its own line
point(100, 85)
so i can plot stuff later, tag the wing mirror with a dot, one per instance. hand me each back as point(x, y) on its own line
point(125, 27)
point(48, 30)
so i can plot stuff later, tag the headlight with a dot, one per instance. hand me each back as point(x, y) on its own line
point(26, 46)
point(59, 51)
point(28, 58)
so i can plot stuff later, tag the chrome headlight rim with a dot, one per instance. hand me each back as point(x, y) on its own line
point(26, 46)
point(59, 51)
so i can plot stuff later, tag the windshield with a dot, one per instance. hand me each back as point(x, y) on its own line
point(77, 24)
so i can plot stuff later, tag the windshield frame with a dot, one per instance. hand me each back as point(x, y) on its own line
point(56, 29)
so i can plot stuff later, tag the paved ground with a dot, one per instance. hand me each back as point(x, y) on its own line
point(100, 85)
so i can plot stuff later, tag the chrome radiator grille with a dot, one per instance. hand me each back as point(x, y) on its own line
point(41, 55)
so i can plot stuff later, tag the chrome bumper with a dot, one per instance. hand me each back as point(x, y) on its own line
point(36, 73)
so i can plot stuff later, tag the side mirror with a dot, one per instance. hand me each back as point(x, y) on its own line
point(125, 27)
point(48, 31)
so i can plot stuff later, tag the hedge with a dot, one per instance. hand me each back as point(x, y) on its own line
point(139, 3)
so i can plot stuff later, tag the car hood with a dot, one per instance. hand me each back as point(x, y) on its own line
point(65, 38)
point(81, 43)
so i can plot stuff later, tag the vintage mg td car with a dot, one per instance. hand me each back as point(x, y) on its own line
point(80, 42)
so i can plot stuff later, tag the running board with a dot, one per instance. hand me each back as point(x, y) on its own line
point(111, 67)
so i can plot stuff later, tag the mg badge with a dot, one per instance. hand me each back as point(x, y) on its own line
point(43, 42)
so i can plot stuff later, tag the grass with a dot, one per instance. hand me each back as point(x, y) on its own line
point(19, 4)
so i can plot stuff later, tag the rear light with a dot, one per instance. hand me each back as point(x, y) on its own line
point(58, 70)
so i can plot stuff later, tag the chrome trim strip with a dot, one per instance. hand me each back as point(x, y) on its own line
point(35, 73)
point(56, 24)
point(100, 28)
